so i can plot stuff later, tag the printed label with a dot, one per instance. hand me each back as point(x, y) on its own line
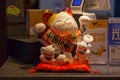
point(53, 38)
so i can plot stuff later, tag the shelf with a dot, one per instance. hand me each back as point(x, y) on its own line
point(13, 69)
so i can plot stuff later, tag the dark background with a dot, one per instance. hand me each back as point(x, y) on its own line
point(3, 55)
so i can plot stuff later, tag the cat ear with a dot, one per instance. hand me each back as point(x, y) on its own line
point(46, 17)
point(68, 10)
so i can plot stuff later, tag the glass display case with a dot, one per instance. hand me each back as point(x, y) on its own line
point(13, 69)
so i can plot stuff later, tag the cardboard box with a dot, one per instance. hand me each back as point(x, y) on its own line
point(98, 29)
point(114, 41)
point(34, 16)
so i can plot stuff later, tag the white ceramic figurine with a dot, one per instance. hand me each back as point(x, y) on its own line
point(64, 25)
point(62, 30)
point(83, 48)
point(47, 54)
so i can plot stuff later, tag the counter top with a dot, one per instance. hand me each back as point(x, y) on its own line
point(13, 69)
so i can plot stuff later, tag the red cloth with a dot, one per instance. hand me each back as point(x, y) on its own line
point(77, 66)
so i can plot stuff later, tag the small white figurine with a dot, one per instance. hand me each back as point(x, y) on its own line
point(47, 54)
point(61, 59)
point(83, 48)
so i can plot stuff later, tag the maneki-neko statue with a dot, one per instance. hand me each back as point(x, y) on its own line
point(60, 35)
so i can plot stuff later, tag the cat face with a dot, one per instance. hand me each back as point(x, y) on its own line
point(64, 22)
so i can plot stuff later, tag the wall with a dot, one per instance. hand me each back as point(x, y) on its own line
point(51, 4)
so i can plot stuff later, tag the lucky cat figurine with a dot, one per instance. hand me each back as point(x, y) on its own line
point(63, 25)
point(61, 36)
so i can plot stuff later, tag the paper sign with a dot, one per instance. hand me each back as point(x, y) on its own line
point(53, 38)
